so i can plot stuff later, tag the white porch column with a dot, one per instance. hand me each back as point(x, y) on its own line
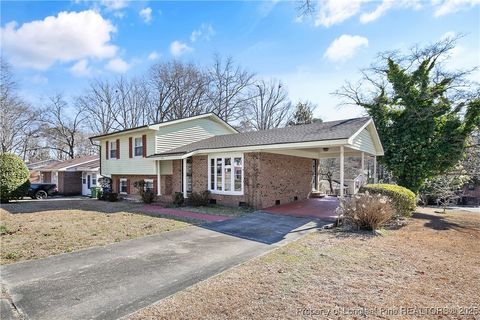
point(184, 177)
point(342, 165)
point(159, 175)
point(363, 163)
point(318, 174)
point(375, 179)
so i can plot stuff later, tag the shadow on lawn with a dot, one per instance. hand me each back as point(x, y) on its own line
point(437, 222)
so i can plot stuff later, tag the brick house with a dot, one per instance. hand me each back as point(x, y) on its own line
point(73, 177)
point(259, 169)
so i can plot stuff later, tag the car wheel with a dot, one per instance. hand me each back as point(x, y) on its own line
point(41, 195)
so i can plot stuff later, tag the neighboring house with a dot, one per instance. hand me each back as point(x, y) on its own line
point(73, 177)
point(258, 169)
point(34, 169)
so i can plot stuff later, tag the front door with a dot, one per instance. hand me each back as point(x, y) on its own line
point(86, 184)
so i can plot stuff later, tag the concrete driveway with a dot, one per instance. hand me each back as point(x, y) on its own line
point(115, 280)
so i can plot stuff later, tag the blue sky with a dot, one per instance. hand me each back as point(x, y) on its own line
point(60, 46)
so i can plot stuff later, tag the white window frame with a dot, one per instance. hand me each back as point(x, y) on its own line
point(145, 184)
point(134, 147)
point(112, 143)
point(232, 183)
point(120, 186)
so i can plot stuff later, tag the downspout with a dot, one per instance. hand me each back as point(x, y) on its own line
point(100, 155)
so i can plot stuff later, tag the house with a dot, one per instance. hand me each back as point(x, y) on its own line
point(34, 169)
point(259, 169)
point(73, 177)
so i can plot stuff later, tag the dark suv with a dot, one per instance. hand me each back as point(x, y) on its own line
point(42, 190)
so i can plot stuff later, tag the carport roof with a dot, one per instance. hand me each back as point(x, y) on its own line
point(332, 130)
point(68, 164)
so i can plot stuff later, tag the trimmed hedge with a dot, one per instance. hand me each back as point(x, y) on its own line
point(404, 200)
point(14, 176)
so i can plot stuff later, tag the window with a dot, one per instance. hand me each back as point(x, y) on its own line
point(138, 147)
point(113, 150)
point(148, 185)
point(123, 185)
point(94, 179)
point(226, 174)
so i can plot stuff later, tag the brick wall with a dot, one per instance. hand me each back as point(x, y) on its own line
point(268, 177)
point(278, 177)
point(131, 180)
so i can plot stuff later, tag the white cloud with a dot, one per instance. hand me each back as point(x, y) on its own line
point(205, 31)
point(117, 65)
point(146, 14)
point(386, 5)
point(345, 47)
point(335, 11)
point(448, 35)
point(81, 68)
point(443, 7)
point(153, 56)
point(377, 13)
point(177, 48)
point(38, 79)
point(114, 4)
point(69, 36)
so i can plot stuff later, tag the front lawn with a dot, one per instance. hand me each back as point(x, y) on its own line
point(432, 262)
point(37, 229)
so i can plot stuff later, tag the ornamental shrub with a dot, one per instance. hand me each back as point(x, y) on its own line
point(403, 200)
point(178, 199)
point(366, 211)
point(148, 196)
point(14, 176)
point(199, 199)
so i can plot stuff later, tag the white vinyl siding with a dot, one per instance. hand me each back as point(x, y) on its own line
point(176, 135)
point(166, 167)
point(364, 142)
point(126, 165)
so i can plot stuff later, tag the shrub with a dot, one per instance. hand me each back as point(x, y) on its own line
point(111, 196)
point(100, 195)
point(14, 176)
point(403, 200)
point(199, 199)
point(366, 211)
point(178, 199)
point(148, 196)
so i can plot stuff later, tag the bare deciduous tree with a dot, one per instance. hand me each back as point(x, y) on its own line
point(98, 103)
point(268, 106)
point(229, 86)
point(17, 119)
point(61, 130)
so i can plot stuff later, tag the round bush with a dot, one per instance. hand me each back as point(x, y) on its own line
point(14, 176)
point(404, 200)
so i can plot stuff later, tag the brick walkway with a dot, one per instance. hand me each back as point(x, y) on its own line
point(184, 214)
point(321, 208)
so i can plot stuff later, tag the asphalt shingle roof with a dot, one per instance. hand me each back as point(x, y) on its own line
point(332, 130)
point(70, 163)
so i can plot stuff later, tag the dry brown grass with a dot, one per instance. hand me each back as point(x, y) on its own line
point(32, 230)
point(431, 262)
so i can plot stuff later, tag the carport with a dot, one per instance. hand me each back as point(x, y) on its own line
point(320, 208)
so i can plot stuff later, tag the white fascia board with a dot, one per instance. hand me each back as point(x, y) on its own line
point(293, 145)
point(207, 115)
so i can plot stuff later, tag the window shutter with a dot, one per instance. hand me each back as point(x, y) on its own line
point(106, 148)
point(118, 148)
point(130, 147)
point(144, 145)
point(155, 186)
point(128, 186)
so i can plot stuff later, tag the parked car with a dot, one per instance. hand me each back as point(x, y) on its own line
point(42, 190)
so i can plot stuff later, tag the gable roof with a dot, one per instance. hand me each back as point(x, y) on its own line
point(332, 130)
point(67, 164)
point(156, 126)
